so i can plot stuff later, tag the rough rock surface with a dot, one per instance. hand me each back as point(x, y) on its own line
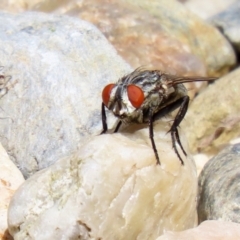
point(111, 189)
point(228, 22)
point(213, 117)
point(208, 230)
point(219, 187)
point(58, 67)
point(10, 179)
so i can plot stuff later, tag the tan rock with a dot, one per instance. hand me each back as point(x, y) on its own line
point(208, 230)
point(213, 117)
point(10, 179)
point(111, 189)
point(200, 160)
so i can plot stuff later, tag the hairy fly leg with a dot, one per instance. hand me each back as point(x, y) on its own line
point(104, 120)
point(174, 131)
point(118, 126)
point(151, 135)
point(183, 104)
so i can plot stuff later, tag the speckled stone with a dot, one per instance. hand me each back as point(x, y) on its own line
point(219, 187)
point(58, 67)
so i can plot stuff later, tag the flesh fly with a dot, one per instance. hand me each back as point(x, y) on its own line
point(145, 96)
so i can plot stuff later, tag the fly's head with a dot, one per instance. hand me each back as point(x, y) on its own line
point(124, 101)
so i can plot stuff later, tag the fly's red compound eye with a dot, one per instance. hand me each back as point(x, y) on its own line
point(106, 93)
point(135, 95)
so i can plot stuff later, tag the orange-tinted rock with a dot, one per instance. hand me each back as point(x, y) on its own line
point(10, 180)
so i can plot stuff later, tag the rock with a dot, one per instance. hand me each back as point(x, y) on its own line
point(197, 36)
point(111, 189)
point(213, 117)
point(10, 179)
point(206, 9)
point(58, 67)
point(145, 35)
point(207, 230)
point(228, 22)
point(200, 160)
point(219, 187)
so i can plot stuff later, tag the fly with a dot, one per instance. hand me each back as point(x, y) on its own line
point(145, 96)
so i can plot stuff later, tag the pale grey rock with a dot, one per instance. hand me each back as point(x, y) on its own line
point(111, 189)
point(207, 230)
point(228, 22)
point(205, 8)
point(219, 187)
point(58, 67)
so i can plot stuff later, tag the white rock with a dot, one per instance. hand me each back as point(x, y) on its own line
point(111, 189)
point(10, 179)
point(208, 230)
point(200, 160)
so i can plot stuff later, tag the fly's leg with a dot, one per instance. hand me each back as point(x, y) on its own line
point(183, 104)
point(118, 126)
point(151, 136)
point(104, 120)
point(174, 131)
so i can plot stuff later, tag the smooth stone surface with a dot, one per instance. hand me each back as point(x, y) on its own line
point(228, 22)
point(219, 187)
point(207, 230)
point(111, 189)
point(158, 34)
point(59, 66)
point(213, 120)
point(10, 179)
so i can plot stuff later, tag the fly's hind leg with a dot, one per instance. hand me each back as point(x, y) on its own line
point(182, 103)
point(174, 131)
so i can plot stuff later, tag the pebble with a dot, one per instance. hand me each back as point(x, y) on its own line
point(219, 187)
point(10, 179)
point(228, 23)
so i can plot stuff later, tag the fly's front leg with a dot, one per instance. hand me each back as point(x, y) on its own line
point(151, 135)
point(174, 131)
point(104, 120)
point(118, 126)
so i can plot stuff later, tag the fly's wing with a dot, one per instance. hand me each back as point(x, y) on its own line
point(175, 80)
